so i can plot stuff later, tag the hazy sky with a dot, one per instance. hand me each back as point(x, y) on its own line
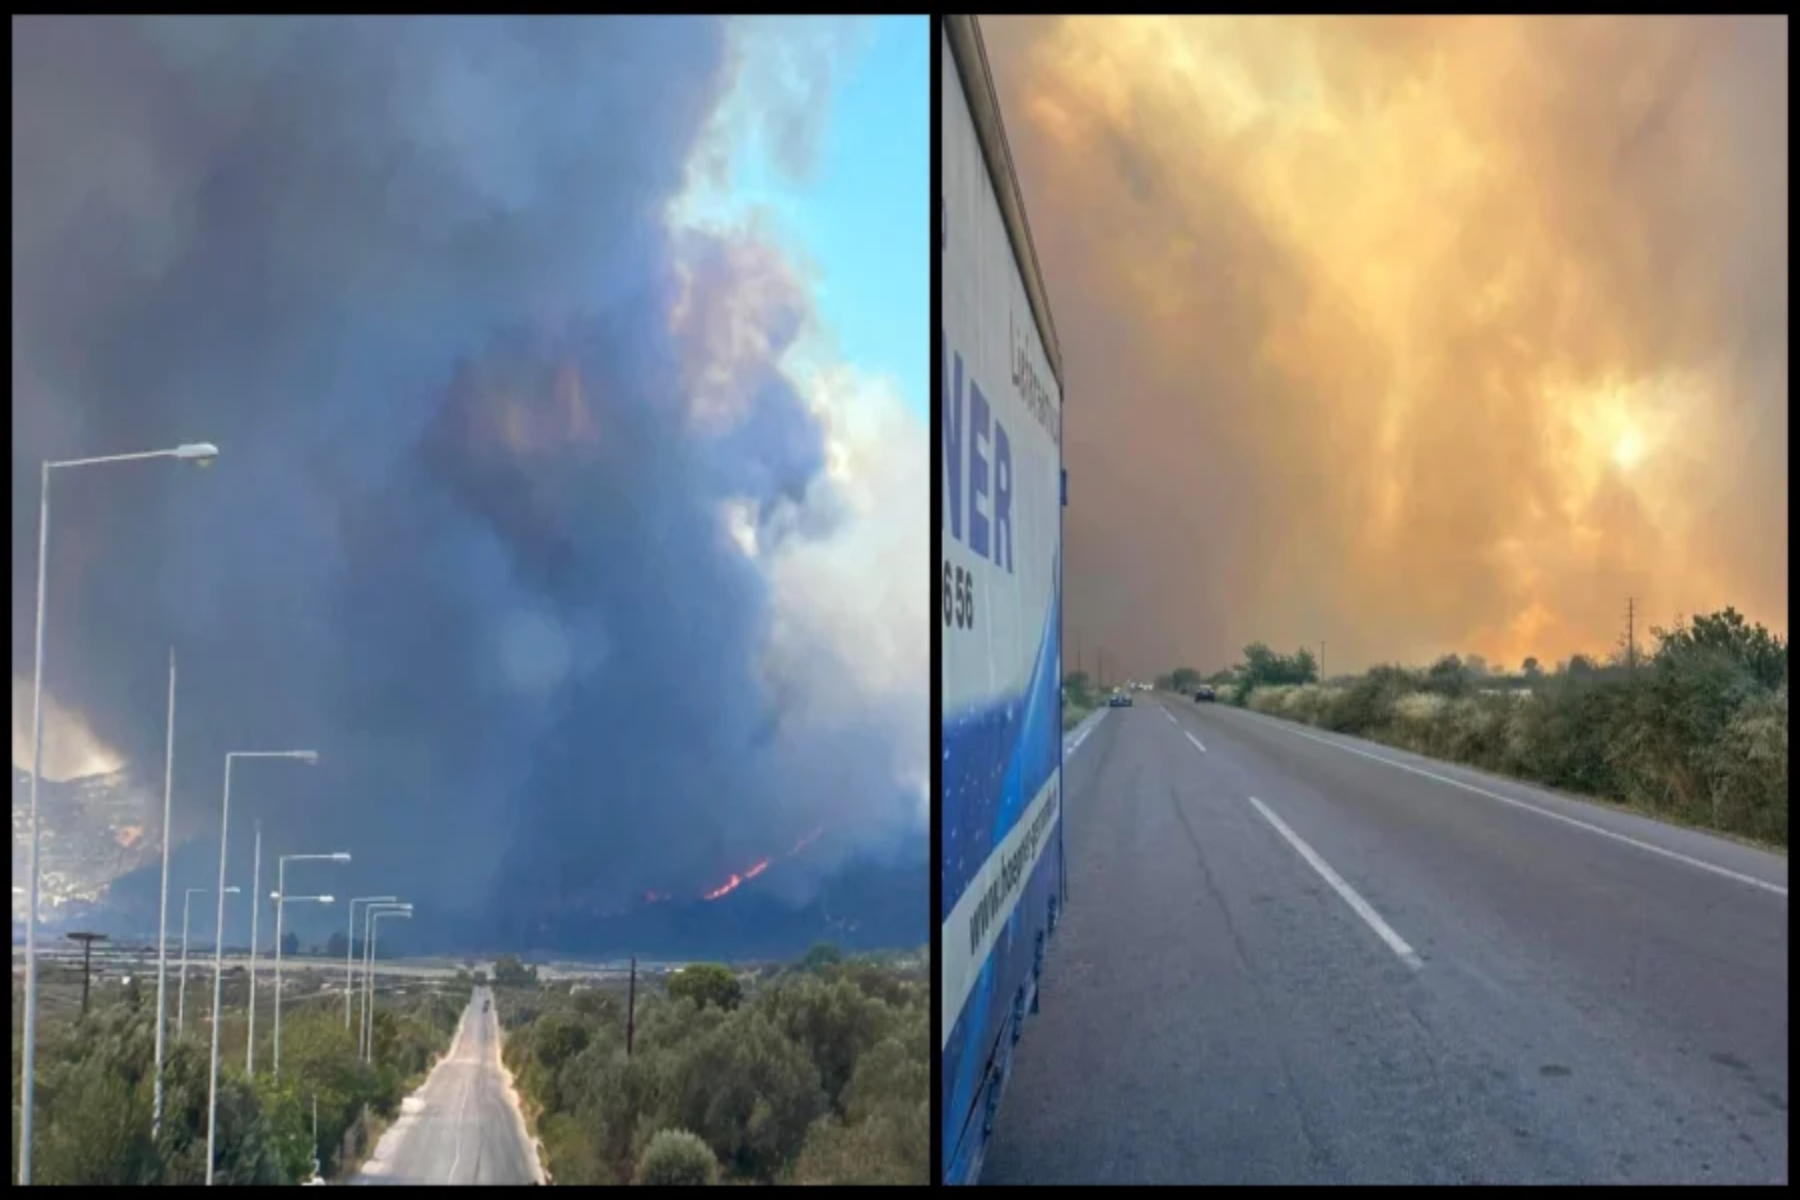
point(570, 468)
point(1412, 335)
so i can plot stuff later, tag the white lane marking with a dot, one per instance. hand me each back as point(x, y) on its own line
point(461, 1110)
point(1544, 812)
point(464, 1106)
point(1361, 907)
point(1197, 745)
point(1073, 743)
point(1171, 717)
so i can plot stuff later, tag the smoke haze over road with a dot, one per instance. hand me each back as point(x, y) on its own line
point(1410, 335)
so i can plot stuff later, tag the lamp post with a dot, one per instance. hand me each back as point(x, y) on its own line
point(162, 918)
point(250, 977)
point(364, 1022)
point(181, 993)
point(350, 950)
point(281, 897)
point(375, 916)
point(197, 452)
point(280, 900)
point(368, 967)
point(212, 1092)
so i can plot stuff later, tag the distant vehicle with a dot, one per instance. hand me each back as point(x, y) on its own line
point(1119, 700)
point(1204, 692)
point(486, 1004)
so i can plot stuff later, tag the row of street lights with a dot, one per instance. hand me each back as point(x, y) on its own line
point(201, 453)
point(372, 914)
point(378, 906)
point(195, 452)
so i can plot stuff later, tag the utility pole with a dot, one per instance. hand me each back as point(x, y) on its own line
point(631, 1007)
point(1321, 661)
point(87, 941)
point(1630, 634)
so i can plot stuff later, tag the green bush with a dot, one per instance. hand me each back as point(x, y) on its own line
point(96, 1086)
point(844, 1038)
point(707, 983)
point(676, 1158)
point(1697, 733)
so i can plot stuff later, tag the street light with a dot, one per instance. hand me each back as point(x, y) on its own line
point(181, 994)
point(202, 452)
point(162, 917)
point(250, 977)
point(212, 1095)
point(375, 915)
point(350, 951)
point(369, 965)
point(280, 899)
point(366, 1022)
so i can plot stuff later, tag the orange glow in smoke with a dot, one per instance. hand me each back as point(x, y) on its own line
point(736, 881)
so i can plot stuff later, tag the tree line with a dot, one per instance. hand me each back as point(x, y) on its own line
point(96, 1083)
point(1694, 731)
point(817, 1072)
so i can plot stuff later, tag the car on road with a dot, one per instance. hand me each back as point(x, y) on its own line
point(1119, 700)
point(1204, 693)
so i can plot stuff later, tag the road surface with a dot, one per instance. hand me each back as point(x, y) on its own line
point(1295, 957)
point(462, 1126)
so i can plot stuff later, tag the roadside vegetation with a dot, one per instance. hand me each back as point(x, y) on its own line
point(1695, 731)
point(1079, 698)
point(96, 1080)
point(813, 1073)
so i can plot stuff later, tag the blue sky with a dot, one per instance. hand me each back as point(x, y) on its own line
point(862, 217)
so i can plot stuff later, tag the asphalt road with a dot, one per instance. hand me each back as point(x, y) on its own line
point(1294, 957)
point(462, 1125)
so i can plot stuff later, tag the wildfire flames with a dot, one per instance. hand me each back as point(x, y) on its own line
point(733, 882)
point(736, 881)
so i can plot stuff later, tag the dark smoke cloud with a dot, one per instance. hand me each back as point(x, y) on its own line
point(479, 412)
point(1411, 335)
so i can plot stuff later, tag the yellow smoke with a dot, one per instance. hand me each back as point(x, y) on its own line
point(72, 750)
point(1419, 335)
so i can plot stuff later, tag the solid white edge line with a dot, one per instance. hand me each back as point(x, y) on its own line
point(1072, 742)
point(1196, 741)
point(1361, 907)
point(1544, 812)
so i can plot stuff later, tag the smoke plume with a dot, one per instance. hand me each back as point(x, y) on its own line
point(510, 465)
point(1410, 335)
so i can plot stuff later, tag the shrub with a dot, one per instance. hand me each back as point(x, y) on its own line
point(707, 983)
point(676, 1158)
point(1699, 733)
point(849, 1038)
point(1748, 770)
